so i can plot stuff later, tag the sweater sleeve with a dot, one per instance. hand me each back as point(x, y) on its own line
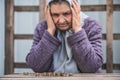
point(87, 49)
point(40, 55)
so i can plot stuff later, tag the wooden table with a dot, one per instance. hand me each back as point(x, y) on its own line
point(49, 76)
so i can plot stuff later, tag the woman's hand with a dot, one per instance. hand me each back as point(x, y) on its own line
point(51, 26)
point(76, 25)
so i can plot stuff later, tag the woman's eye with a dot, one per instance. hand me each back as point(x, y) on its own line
point(55, 15)
point(66, 14)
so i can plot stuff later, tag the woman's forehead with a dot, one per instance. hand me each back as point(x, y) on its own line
point(58, 8)
point(59, 3)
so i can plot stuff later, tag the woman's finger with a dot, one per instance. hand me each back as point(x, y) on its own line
point(76, 6)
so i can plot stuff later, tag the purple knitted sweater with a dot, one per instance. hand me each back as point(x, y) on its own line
point(86, 48)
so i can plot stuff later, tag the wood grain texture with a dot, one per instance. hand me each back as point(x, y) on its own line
point(9, 32)
point(83, 7)
point(109, 36)
point(50, 76)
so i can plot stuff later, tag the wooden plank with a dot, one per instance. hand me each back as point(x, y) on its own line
point(11, 36)
point(116, 66)
point(61, 76)
point(26, 8)
point(98, 7)
point(115, 36)
point(20, 65)
point(30, 36)
point(23, 36)
point(55, 75)
point(7, 36)
point(42, 9)
point(9, 41)
point(109, 48)
point(116, 7)
point(83, 7)
point(93, 7)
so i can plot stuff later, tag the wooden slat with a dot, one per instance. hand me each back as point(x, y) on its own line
point(30, 36)
point(20, 65)
point(11, 35)
point(115, 36)
point(116, 66)
point(98, 7)
point(23, 65)
point(7, 36)
point(27, 8)
point(42, 9)
point(93, 7)
point(109, 36)
point(83, 7)
point(24, 36)
point(116, 7)
point(9, 41)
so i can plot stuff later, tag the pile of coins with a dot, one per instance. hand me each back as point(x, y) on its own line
point(50, 74)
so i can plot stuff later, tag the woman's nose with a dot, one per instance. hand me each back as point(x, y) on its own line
point(61, 19)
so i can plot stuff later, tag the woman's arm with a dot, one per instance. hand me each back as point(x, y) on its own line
point(40, 55)
point(87, 47)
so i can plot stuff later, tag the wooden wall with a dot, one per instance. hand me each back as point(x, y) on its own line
point(10, 36)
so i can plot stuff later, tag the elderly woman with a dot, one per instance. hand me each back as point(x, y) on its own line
point(67, 41)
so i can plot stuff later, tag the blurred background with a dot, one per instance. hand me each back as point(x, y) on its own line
point(25, 23)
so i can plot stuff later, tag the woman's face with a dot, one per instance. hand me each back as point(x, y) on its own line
point(61, 15)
